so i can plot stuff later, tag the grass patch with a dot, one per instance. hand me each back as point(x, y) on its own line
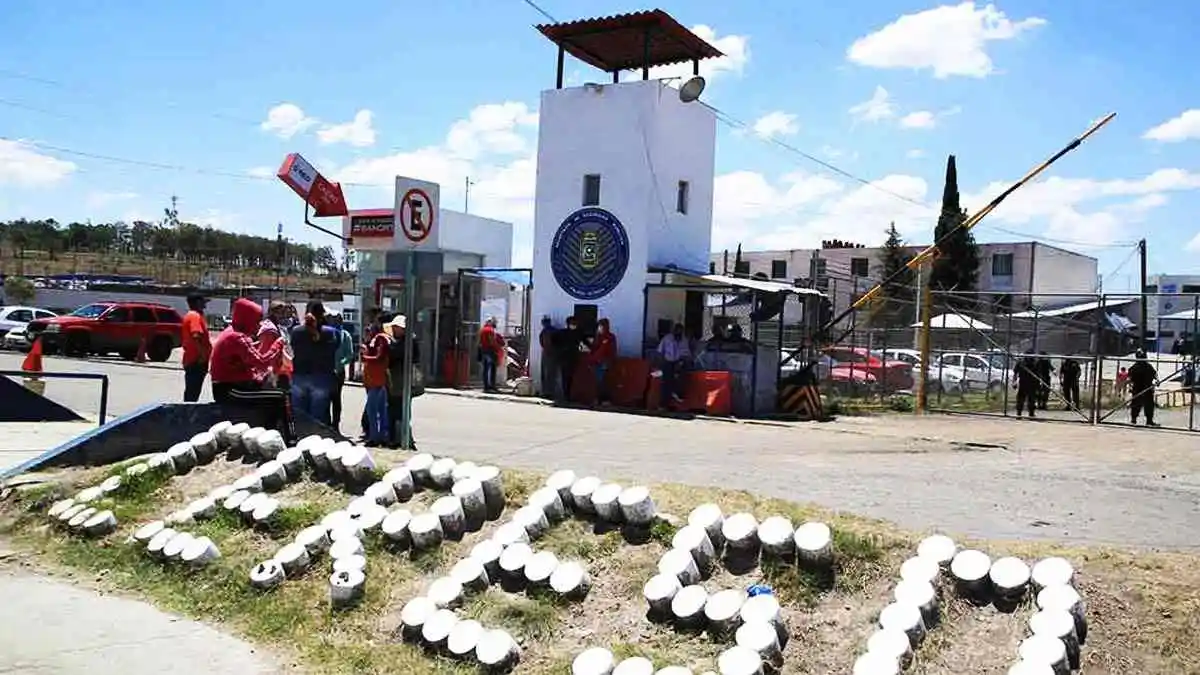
point(1145, 612)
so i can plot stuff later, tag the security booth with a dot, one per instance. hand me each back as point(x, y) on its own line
point(455, 241)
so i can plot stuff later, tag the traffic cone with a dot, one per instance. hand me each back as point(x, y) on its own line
point(141, 352)
point(33, 364)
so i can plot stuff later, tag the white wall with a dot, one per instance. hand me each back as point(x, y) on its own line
point(1059, 271)
point(642, 141)
point(469, 233)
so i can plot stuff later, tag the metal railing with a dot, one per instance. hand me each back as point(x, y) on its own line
point(103, 415)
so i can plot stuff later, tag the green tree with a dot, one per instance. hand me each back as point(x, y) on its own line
point(19, 290)
point(956, 268)
point(898, 296)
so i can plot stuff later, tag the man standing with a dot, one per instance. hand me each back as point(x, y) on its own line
point(549, 365)
point(1028, 385)
point(570, 351)
point(314, 348)
point(675, 352)
point(344, 356)
point(602, 357)
point(1045, 371)
point(491, 346)
point(196, 348)
point(400, 368)
point(1069, 373)
point(1142, 378)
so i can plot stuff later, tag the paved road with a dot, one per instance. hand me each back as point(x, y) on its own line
point(51, 627)
point(1039, 480)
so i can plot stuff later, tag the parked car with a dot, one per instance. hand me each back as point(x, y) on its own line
point(112, 327)
point(983, 371)
point(939, 379)
point(16, 316)
point(892, 375)
point(15, 339)
point(831, 375)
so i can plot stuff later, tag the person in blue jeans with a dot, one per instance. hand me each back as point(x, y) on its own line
point(314, 358)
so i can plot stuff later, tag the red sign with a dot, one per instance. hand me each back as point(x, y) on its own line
point(324, 196)
point(373, 227)
point(416, 215)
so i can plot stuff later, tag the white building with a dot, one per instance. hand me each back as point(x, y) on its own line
point(1024, 274)
point(1172, 308)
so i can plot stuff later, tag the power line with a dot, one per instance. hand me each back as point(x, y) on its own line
point(541, 11)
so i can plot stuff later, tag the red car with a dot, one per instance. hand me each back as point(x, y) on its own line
point(894, 375)
point(108, 327)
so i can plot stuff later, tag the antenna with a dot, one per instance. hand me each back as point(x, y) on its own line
point(690, 91)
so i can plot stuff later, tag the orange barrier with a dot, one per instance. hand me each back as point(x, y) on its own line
point(627, 382)
point(704, 391)
point(456, 368)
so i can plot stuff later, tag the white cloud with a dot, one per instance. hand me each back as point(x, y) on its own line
point(261, 172)
point(919, 119)
point(1084, 209)
point(949, 40)
point(915, 153)
point(358, 132)
point(21, 164)
point(777, 123)
point(499, 128)
point(100, 199)
point(878, 107)
point(1186, 127)
point(286, 120)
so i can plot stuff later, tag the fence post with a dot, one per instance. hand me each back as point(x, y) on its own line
point(1008, 357)
point(926, 311)
point(1098, 361)
point(1191, 388)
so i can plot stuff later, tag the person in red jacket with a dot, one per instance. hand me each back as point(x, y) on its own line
point(491, 348)
point(602, 357)
point(239, 370)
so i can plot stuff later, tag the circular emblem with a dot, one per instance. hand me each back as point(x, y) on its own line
point(589, 254)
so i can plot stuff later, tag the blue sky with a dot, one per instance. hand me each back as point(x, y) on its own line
point(884, 90)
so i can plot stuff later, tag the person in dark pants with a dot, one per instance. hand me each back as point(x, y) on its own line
point(674, 352)
point(344, 356)
point(1045, 371)
point(1028, 386)
point(1142, 378)
point(196, 348)
point(549, 364)
point(240, 371)
point(400, 367)
point(1069, 374)
point(314, 350)
point(569, 342)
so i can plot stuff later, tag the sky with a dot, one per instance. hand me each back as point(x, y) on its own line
point(107, 115)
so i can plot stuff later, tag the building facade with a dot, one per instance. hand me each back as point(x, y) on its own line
point(1172, 309)
point(1013, 276)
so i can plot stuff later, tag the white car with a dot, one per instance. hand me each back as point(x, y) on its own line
point(947, 378)
point(984, 371)
point(16, 316)
point(16, 339)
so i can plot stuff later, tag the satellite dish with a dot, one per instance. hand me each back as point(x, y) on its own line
point(691, 90)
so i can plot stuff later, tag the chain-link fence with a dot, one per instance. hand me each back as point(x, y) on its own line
point(1064, 357)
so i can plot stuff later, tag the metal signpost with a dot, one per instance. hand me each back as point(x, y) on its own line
point(416, 217)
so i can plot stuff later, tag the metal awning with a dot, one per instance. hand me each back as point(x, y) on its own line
point(761, 285)
point(954, 321)
point(1107, 303)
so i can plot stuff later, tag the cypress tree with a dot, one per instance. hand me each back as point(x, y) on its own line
point(956, 269)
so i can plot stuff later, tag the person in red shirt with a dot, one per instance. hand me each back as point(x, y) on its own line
point(491, 347)
point(239, 370)
point(375, 382)
point(602, 356)
point(196, 348)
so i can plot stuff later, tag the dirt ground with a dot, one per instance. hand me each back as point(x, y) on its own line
point(1143, 608)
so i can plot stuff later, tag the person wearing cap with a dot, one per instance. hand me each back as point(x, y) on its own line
point(314, 355)
point(375, 382)
point(1142, 378)
point(400, 369)
point(196, 348)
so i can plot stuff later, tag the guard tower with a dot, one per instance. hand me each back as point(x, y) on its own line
point(624, 173)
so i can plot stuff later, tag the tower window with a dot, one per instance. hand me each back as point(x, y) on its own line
point(591, 189)
point(681, 197)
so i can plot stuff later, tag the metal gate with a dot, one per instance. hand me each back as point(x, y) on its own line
point(503, 294)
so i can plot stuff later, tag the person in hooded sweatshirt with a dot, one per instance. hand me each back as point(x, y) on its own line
point(314, 358)
point(239, 370)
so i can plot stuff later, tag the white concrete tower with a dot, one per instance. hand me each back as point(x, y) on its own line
point(624, 175)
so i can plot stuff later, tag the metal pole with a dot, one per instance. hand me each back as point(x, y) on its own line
point(1191, 394)
point(1098, 361)
point(926, 318)
point(410, 310)
point(103, 400)
point(1008, 357)
point(1145, 312)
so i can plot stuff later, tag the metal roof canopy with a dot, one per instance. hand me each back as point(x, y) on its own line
point(1107, 303)
point(628, 41)
point(727, 281)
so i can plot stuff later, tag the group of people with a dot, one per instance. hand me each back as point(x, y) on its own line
point(1034, 373)
point(277, 364)
point(566, 348)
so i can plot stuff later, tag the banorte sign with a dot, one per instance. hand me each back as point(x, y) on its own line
point(324, 196)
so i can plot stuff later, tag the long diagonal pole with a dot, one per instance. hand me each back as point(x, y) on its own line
point(926, 255)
